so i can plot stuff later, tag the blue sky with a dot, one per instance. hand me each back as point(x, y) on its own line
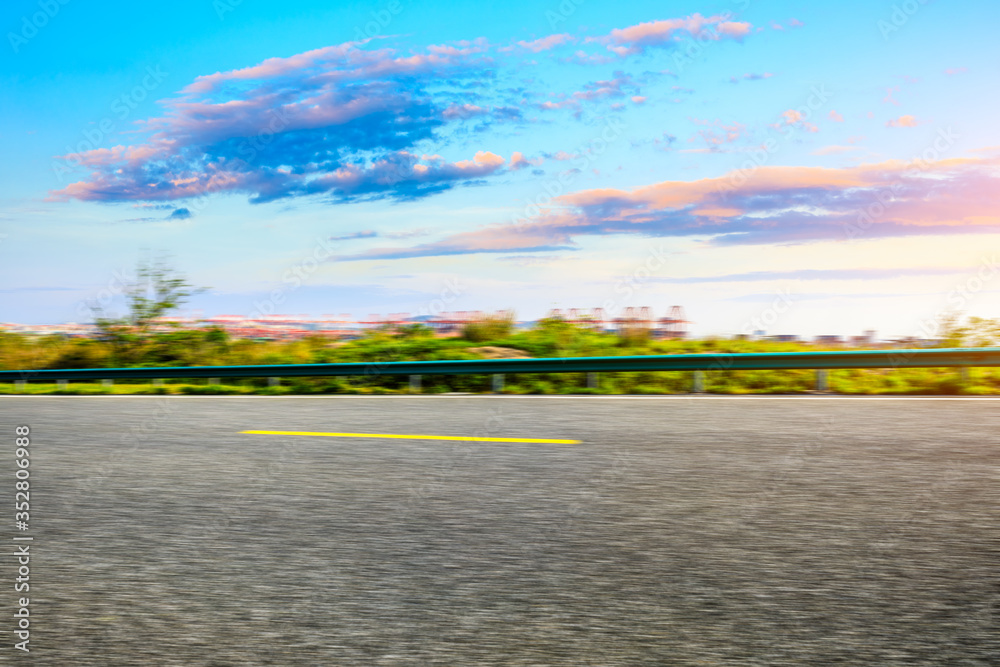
point(839, 161)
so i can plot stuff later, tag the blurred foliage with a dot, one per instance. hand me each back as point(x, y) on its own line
point(488, 328)
point(549, 338)
point(976, 332)
point(156, 290)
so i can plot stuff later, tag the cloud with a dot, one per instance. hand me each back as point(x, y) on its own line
point(667, 33)
point(902, 121)
point(367, 234)
point(337, 121)
point(795, 118)
point(771, 204)
point(716, 134)
point(751, 76)
point(834, 150)
point(463, 111)
point(816, 274)
point(951, 71)
point(836, 117)
point(889, 99)
point(518, 161)
point(596, 90)
point(546, 43)
point(176, 214)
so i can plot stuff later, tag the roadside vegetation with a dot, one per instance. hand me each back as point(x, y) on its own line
point(550, 338)
point(138, 340)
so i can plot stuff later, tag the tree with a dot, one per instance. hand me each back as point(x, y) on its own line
point(976, 332)
point(491, 327)
point(156, 290)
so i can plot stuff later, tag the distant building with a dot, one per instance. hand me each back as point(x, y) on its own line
point(865, 340)
point(829, 340)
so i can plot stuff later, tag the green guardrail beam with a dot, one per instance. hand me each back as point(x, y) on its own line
point(933, 358)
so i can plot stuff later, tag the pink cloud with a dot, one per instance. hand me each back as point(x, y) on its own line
point(546, 43)
point(951, 71)
point(518, 161)
point(835, 150)
point(638, 99)
point(902, 121)
point(294, 126)
point(637, 38)
point(795, 118)
point(463, 111)
point(716, 134)
point(761, 205)
point(836, 117)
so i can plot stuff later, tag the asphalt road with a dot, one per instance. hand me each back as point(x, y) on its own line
point(677, 532)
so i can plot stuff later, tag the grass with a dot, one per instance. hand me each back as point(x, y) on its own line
point(872, 382)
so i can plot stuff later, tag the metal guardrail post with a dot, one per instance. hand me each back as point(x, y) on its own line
point(63, 384)
point(107, 383)
point(19, 386)
point(214, 381)
point(415, 384)
point(158, 382)
point(821, 380)
point(698, 382)
point(273, 381)
point(963, 376)
point(497, 383)
point(591, 380)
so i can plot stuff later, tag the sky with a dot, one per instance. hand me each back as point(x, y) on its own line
point(792, 167)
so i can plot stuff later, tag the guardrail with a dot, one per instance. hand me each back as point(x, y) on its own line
point(820, 361)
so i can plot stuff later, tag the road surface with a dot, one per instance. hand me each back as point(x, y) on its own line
point(677, 531)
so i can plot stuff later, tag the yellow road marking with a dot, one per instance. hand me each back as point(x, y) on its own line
point(415, 437)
